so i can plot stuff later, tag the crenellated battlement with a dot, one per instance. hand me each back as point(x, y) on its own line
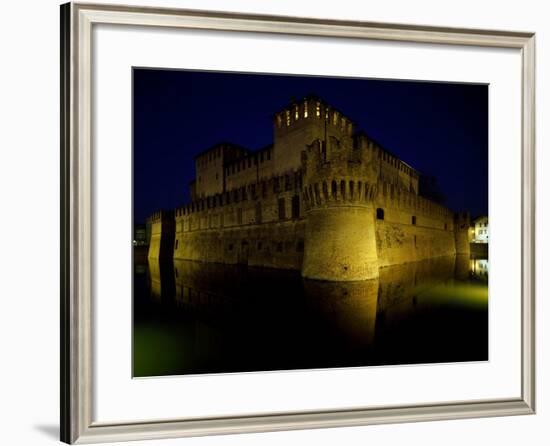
point(260, 190)
point(338, 173)
point(311, 110)
point(159, 216)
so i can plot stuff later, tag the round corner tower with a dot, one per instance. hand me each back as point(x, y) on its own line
point(339, 186)
point(462, 233)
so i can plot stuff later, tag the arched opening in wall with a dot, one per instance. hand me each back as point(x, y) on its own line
point(300, 245)
point(334, 189)
point(325, 191)
point(317, 193)
point(295, 206)
point(445, 226)
point(380, 214)
point(413, 220)
point(343, 189)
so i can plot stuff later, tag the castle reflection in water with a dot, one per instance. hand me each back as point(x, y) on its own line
point(192, 317)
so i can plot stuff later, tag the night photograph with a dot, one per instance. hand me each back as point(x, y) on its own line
point(286, 222)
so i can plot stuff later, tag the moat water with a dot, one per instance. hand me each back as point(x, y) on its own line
point(192, 317)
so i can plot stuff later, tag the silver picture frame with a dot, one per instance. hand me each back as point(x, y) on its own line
point(77, 22)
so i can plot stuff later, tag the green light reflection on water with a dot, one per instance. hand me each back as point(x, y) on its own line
point(208, 318)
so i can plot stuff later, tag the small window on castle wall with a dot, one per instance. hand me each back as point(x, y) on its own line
point(318, 109)
point(288, 118)
point(380, 214)
point(413, 219)
point(281, 203)
point(176, 245)
point(295, 206)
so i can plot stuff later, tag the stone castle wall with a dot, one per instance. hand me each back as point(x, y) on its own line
point(399, 239)
point(259, 226)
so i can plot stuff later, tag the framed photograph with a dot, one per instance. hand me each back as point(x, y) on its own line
point(275, 223)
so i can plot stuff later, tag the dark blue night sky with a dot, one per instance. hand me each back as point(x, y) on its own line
point(440, 129)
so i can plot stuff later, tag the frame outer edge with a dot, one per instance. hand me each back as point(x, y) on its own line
point(83, 229)
point(65, 216)
point(528, 224)
point(312, 420)
point(77, 425)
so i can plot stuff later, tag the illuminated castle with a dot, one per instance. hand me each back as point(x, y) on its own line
point(324, 199)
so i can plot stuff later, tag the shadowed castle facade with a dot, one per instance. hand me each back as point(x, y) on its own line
point(324, 199)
